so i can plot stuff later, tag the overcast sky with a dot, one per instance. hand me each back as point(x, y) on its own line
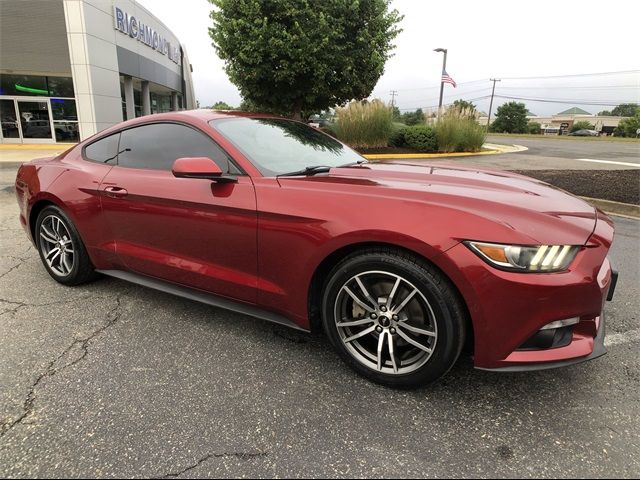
point(486, 39)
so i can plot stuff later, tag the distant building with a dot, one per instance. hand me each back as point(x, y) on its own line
point(71, 68)
point(573, 111)
point(562, 122)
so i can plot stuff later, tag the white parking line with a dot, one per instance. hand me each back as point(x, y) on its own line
point(622, 338)
point(611, 162)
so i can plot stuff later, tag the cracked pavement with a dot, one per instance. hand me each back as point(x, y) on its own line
point(114, 380)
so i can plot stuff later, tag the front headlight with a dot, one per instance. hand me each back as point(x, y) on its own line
point(540, 258)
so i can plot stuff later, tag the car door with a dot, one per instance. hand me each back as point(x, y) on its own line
point(189, 231)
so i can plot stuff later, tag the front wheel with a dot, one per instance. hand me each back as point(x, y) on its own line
point(393, 318)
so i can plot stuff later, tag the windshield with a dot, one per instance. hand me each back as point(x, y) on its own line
point(277, 146)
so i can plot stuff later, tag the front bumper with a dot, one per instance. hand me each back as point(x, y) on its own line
point(508, 308)
point(598, 351)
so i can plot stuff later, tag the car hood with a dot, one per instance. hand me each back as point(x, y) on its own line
point(533, 209)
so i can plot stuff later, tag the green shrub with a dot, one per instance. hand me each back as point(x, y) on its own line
point(365, 124)
point(397, 135)
point(459, 133)
point(421, 138)
point(581, 125)
point(534, 128)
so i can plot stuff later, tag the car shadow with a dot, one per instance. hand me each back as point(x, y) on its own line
point(307, 351)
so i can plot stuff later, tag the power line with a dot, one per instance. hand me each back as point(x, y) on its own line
point(597, 74)
point(454, 95)
point(570, 87)
point(577, 75)
point(435, 87)
point(535, 100)
point(445, 104)
point(558, 100)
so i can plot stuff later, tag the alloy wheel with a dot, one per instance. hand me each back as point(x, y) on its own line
point(385, 322)
point(56, 245)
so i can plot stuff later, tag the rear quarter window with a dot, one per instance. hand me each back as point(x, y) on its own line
point(104, 150)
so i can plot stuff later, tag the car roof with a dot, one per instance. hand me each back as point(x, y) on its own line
point(199, 116)
point(204, 114)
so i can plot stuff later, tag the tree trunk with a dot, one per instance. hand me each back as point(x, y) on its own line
point(297, 110)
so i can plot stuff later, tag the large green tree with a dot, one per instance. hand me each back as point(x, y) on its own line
point(628, 127)
point(511, 118)
point(413, 118)
point(622, 110)
point(220, 105)
point(625, 110)
point(464, 105)
point(290, 56)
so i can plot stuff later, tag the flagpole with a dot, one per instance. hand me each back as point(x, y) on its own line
point(444, 69)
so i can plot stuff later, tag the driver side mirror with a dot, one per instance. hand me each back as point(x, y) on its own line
point(200, 167)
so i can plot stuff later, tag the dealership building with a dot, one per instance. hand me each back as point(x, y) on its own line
point(71, 68)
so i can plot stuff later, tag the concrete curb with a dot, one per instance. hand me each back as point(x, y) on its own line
point(36, 146)
point(615, 208)
point(10, 165)
point(506, 148)
point(493, 149)
point(425, 156)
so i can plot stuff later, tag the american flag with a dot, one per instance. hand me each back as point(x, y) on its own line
point(447, 79)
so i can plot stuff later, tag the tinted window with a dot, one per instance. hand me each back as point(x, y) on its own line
point(158, 146)
point(276, 146)
point(104, 150)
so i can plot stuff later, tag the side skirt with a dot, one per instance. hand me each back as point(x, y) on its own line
point(202, 297)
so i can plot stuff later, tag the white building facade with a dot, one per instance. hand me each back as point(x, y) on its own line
point(71, 68)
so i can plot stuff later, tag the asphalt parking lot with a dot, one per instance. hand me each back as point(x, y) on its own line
point(115, 380)
point(547, 153)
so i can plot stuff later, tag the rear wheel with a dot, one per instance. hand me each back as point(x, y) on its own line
point(393, 318)
point(62, 252)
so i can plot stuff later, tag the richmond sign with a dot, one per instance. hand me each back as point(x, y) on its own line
point(136, 28)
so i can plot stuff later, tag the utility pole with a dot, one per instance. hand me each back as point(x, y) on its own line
point(493, 90)
point(393, 98)
point(444, 69)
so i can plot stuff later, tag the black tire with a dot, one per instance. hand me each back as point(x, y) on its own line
point(82, 270)
point(448, 312)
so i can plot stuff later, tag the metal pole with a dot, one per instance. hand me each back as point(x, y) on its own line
point(444, 68)
point(493, 90)
point(393, 98)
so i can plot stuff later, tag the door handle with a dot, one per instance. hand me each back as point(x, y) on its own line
point(115, 192)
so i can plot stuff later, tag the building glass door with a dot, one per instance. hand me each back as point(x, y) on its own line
point(42, 120)
point(9, 121)
point(35, 120)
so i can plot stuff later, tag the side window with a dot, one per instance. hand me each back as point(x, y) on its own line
point(157, 146)
point(104, 150)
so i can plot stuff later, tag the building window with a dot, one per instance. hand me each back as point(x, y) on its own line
point(160, 103)
point(36, 86)
point(60, 86)
point(65, 120)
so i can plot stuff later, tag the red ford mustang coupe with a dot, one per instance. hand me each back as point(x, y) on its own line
point(401, 265)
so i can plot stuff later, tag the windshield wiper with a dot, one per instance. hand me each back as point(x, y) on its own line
point(308, 171)
point(353, 164)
